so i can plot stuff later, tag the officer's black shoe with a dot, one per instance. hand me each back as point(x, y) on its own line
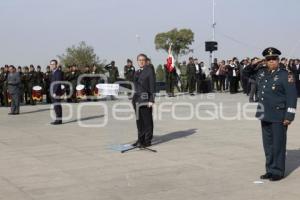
point(56, 122)
point(13, 113)
point(135, 144)
point(276, 178)
point(147, 145)
point(192, 94)
point(266, 176)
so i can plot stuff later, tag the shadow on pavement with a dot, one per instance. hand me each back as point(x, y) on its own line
point(84, 119)
point(172, 136)
point(292, 161)
point(35, 111)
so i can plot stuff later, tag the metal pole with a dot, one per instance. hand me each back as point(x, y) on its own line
point(213, 21)
point(213, 31)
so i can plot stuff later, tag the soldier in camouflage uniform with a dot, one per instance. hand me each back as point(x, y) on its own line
point(183, 76)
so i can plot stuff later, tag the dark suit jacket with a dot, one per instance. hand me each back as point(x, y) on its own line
point(296, 73)
point(13, 81)
point(57, 75)
point(144, 86)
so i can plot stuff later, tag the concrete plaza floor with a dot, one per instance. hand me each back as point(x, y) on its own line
point(197, 158)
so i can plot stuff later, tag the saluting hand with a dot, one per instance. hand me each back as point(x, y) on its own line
point(286, 122)
point(150, 104)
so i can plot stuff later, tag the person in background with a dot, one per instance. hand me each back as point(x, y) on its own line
point(243, 75)
point(5, 94)
point(213, 74)
point(56, 91)
point(113, 72)
point(19, 70)
point(129, 71)
point(170, 73)
point(198, 75)
point(191, 72)
point(233, 77)
point(252, 70)
point(13, 88)
point(2, 82)
point(47, 83)
point(31, 82)
point(183, 76)
point(221, 76)
point(296, 71)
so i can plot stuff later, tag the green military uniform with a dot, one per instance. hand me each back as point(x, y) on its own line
point(47, 84)
point(31, 82)
point(2, 82)
point(129, 72)
point(191, 75)
point(24, 80)
point(113, 74)
point(39, 79)
point(5, 94)
point(183, 77)
point(277, 97)
point(21, 87)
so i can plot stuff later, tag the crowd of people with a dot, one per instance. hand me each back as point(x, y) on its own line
point(230, 76)
point(35, 83)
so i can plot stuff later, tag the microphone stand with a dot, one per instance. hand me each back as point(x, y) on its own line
point(140, 147)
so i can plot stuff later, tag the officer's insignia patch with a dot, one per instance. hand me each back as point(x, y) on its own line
point(291, 78)
point(270, 51)
point(276, 78)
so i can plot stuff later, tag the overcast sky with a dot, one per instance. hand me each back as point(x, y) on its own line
point(35, 31)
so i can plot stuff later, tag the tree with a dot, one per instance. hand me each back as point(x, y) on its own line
point(180, 40)
point(160, 74)
point(81, 55)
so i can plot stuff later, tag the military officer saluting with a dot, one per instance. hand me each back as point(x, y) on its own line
point(276, 109)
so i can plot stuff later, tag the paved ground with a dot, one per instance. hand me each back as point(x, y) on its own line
point(196, 159)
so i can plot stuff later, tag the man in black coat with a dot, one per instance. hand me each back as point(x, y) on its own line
point(143, 100)
point(56, 91)
point(296, 71)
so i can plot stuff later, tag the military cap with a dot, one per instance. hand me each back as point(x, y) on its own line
point(271, 51)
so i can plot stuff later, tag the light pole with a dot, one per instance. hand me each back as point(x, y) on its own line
point(213, 30)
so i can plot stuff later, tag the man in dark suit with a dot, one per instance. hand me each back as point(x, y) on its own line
point(296, 70)
point(277, 97)
point(56, 91)
point(13, 88)
point(143, 100)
